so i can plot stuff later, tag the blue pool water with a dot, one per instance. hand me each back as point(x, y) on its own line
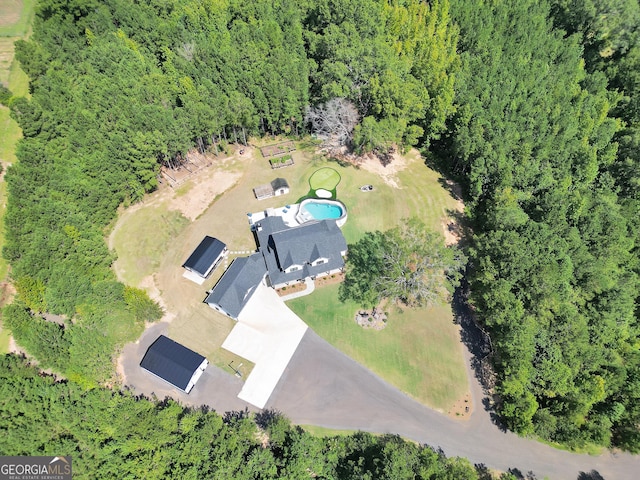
point(323, 211)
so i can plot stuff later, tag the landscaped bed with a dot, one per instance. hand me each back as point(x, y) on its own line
point(279, 162)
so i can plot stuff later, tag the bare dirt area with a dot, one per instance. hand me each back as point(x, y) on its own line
point(200, 191)
point(451, 225)
point(462, 408)
point(388, 173)
point(10, 11)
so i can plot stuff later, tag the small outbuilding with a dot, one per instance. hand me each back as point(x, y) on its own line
point(206, 256)
point(277, 187)
point(174, 363)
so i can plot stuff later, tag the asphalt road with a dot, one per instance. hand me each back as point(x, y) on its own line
point(322, 386)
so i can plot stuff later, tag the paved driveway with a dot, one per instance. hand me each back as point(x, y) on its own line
point(322, 386)
point(268, 334)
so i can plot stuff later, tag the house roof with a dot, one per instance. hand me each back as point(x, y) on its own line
point(279, 183)
point(238, 283)
point(205, 255)
point(283, 247)
point(171, 361)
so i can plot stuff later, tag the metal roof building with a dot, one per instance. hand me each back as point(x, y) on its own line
point(206, 256)
point(174, 363)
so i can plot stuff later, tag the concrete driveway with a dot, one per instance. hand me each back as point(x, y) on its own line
point(268, 334)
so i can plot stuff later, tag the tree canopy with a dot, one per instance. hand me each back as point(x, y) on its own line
point(553, 262)
point(409, 264)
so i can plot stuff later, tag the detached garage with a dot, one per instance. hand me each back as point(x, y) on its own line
point(174, 363)
point(206, 256)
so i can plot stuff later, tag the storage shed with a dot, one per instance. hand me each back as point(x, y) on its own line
point(174, 363)
point(206, 256)
point(277, 187)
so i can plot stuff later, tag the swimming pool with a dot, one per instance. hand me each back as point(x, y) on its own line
point(322, 210)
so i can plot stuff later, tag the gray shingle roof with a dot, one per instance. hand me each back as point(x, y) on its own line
point(279, 183)
point(238, 283)
point(204, 255)
point(171, 361)
point(283, 247)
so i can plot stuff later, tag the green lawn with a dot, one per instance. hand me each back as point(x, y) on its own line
point(325, 432)
point(419, 351)
point(142, 240)
point(4, 340)
point(326, 178)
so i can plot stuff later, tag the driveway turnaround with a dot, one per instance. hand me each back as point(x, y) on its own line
point(215, 387)
point(268, 334)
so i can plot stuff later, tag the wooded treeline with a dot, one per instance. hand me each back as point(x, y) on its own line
point(544, 139)
point(113, 434)
point(537, 115)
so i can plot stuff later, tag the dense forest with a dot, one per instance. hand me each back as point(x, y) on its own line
point(532, 106)
point(543, 139)
point(44, 417)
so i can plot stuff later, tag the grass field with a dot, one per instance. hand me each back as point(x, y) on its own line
point(419, 351)
point(15, 17)
point(145, 252)
point(325, 432)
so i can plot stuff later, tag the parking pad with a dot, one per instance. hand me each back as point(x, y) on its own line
point(267, 334)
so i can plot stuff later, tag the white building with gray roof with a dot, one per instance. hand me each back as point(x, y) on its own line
point(291, 254)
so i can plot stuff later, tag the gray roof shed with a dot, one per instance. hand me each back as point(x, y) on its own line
point(172, 362)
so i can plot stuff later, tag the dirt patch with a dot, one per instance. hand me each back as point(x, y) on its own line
point(451, 226)
point(10, 12)
point(389, 172)
point(288, 290)
point(149, 285)
point(15, 348)
point(375, 319)
point(200, 191)
point(462, 408)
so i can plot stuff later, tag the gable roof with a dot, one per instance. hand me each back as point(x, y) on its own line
point(205, 255)
point(283, 247)
point(171, 361)
point(238, 283)
point(279, 183)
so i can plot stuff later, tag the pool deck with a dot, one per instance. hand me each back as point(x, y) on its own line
point(292, 215)
point(288, 214)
